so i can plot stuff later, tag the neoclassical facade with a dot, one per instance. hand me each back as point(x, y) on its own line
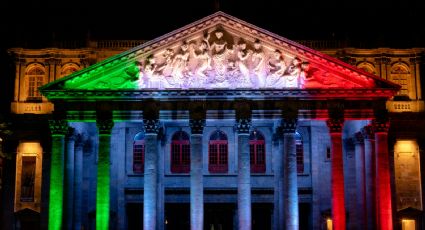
point(217, 125)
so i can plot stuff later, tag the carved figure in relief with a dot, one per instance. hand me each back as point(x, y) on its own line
point(292, 75)
point(203, 62)
point(179, 64)
point(166, 68)
point(258, 65)
point(276, 66)
point(219, 53)
point(150, 77)
point(243, 54)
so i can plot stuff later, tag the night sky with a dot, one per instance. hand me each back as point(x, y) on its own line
point(38, 23)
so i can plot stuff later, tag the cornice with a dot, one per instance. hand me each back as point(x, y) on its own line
point(214, 94)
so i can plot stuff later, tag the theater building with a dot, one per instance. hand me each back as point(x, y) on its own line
point(216, 125)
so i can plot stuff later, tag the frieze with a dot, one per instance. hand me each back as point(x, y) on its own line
point(218, 52)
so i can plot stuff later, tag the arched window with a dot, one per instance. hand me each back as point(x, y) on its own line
point(400, 75)
point(139, 153)
point(257, 152)
point(68, 69)
point(35, 78)
point(217, 153)
point(180, 153)
point(300, 152)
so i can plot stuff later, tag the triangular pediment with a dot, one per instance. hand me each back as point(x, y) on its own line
point(219, 52)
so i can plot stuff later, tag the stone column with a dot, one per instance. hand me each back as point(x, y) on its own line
point(360, 179)
point(104, 127)
point(337, 170)
point(58, 129)
point(69, 179)
point(290, 185)
point(150, 185)
point(196, 175)
point(244, 174)
point(369, 149)
point(78, 181)
point(383, 183)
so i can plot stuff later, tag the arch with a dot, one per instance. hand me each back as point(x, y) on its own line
point(400, 68)
point(35, 75)
point(180, 152)
point(139, 153)
point(257, 152)
point(367, 66)
point(68, 69)
point(218, 153)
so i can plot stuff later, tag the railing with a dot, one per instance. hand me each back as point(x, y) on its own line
point(116, 44)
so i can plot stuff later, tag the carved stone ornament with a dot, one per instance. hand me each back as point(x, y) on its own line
point(368, 133)
point(381, 126)
point(197, 125)
point(335, 125)
point(289, 125)
point(219, 59)
point(151, 125)
point(243, 126)
point(105, 126)
point(58, 127)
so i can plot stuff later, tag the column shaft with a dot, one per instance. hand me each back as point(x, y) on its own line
point(103, 174)
point(150, 185)
point(337, 177)
point(78, 180)
point(369, 148)
point(69, 181)
point(58, 129)
point(196, 183)
point(383, 183)
point(290, 185)
point(360, 180)
point(244, 182)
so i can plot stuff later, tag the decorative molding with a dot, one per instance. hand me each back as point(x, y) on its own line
point(197, 125)
point(381, 125)
point(58, 127)
point(243, 126)
point(213, 94)
point(104, 126)
point(368, 132)
point(151, 126)
point(289, 125)
point(335, 125)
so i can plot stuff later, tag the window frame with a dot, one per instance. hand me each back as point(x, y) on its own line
point(218, 150)
point(141, 162)
point(254, 146)
point(182, 165)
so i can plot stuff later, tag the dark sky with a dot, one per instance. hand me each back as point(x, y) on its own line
point(37, 23)
point(379, 22)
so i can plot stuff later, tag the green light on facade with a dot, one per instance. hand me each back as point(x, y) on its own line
point(56, 183)
point(103, 181)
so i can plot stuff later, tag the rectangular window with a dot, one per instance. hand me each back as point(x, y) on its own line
point(138, 158)
point(257, 156)
point(300, 158)
point(328, 153)
point(28, 178)
point(34, 83)
point(218, 159)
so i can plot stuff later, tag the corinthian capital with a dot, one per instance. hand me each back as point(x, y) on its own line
point(335, 125)
point(289, 125)
point(243, 125)
point(105, 126)
point(58, 127)
point(151, 126)
point(197, 125)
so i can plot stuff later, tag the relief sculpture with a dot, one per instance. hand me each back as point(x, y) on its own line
point(217, 59)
